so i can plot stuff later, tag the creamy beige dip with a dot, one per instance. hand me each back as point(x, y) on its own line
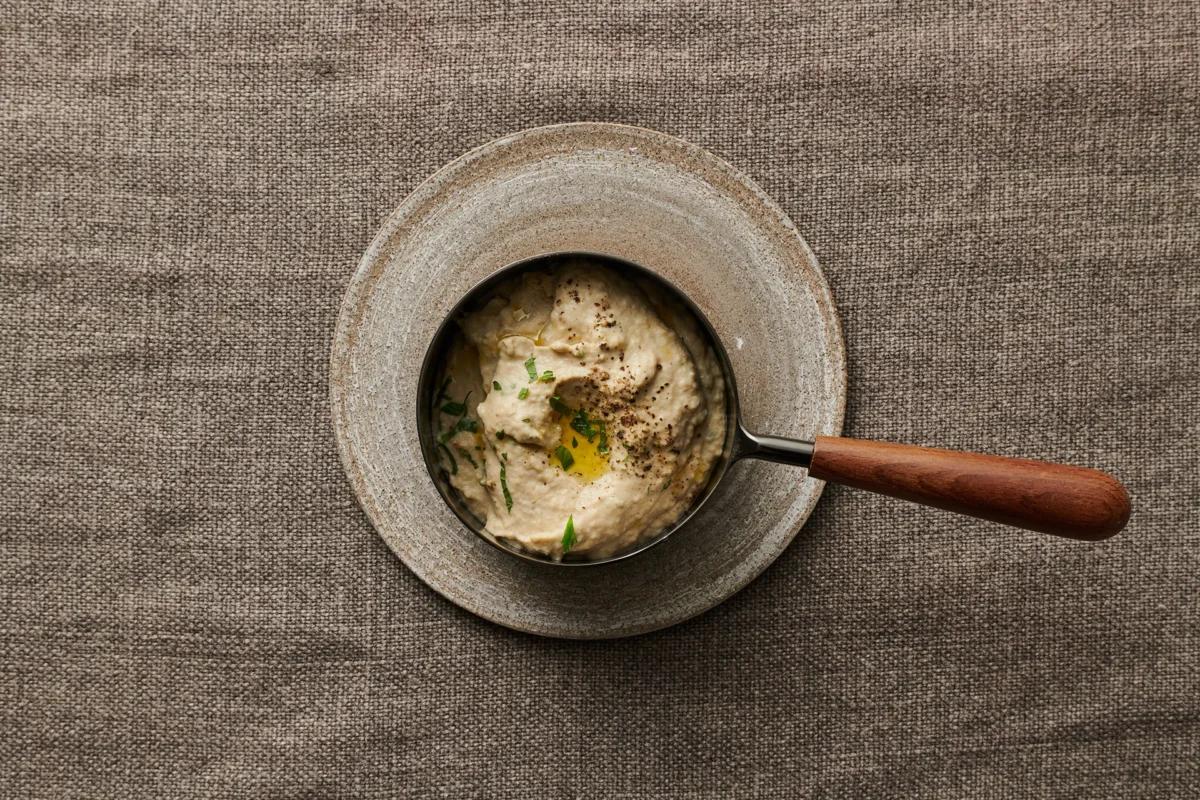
point(574, 418)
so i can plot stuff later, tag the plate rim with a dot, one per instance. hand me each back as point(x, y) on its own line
point(370, 267)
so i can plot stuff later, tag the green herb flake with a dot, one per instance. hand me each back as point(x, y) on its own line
point(558, 405)
point(568, 540)
point(496, 386)
point(547, 376)
point(564, 457)
point(531, 368)
point(521, 395)
point(463, 423)
point(453, 409)
point(456, 409)
point(602, 448)
point(504, 488)
point(449, 455)
point(462, 451)
point(583, 426)
point(574, 442)
point(500, 436)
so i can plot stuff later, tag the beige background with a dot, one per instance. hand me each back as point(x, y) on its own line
point(1005, 201)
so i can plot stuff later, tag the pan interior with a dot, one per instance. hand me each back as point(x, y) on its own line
point(672, 305)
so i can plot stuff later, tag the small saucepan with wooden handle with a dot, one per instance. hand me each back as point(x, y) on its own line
point(1059, 499)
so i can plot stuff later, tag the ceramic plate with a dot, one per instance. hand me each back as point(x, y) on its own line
point(637, 195)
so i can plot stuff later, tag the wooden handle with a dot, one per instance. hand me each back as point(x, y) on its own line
point(1052, 498)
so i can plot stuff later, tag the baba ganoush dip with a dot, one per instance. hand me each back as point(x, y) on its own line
point(573, 418)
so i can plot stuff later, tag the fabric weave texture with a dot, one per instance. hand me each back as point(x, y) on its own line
point(1005, 199)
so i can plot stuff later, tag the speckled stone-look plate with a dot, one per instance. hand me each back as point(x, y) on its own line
point(630, 193)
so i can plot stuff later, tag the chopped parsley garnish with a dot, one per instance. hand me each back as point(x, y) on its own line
point(449, 455)
point(463, 423)
point(526, 420)
point(586, 427)
point(564, 457)
point(456, 409)
point(500, 436)
point(462, 451)
point(496, 386)
point(504, 488)
point(583, 426)
point(521, 395)
point(547, 376)
point(531, 368)
point(568, 540)
point(590, 429)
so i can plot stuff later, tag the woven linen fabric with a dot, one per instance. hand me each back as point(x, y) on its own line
point(1005, 199)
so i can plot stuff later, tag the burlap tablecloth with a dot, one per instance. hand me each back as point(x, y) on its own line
point(1005, 201)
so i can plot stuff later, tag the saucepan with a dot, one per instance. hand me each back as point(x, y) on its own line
point(1058, 499)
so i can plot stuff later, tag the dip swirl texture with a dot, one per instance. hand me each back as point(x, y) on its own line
point(590, 424)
